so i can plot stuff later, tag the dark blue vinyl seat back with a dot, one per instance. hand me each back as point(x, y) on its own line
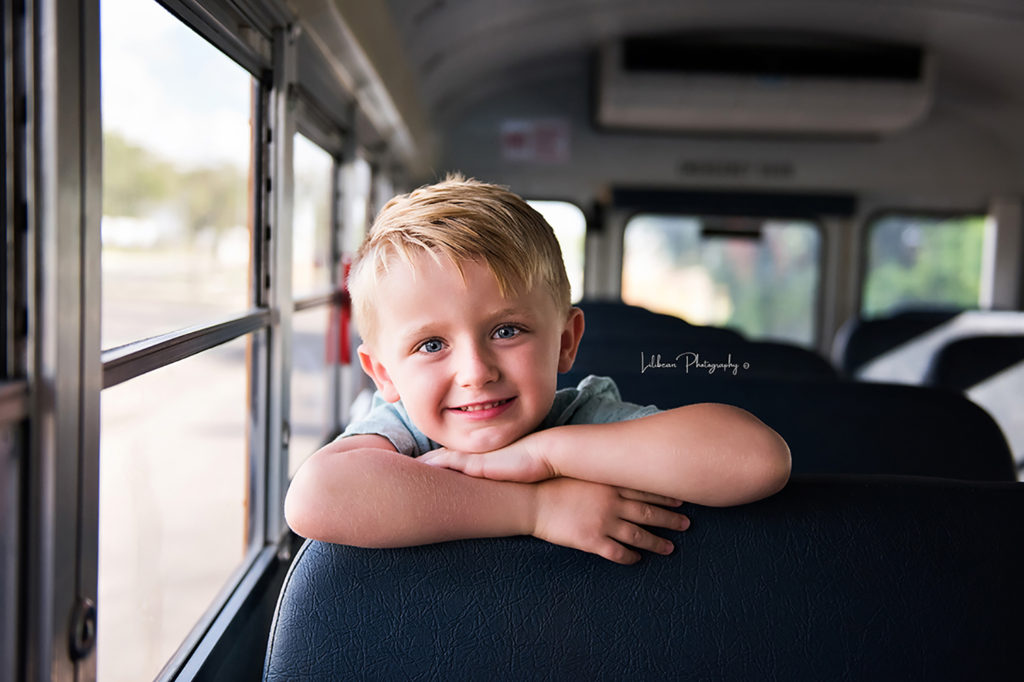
point(756, 359)
point(968, 361)
point(861, 340)
point(777, 360)
point(832, 579)
point(608, 319)
point(622, 338)
point(836, 427)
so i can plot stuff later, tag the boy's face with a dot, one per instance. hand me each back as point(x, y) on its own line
point(475, 371)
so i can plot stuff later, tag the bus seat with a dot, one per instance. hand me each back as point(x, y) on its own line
point(968, 361)
point(848, 427)
point(614, 319)
point(755, 359)
point(860, 340)
point(620, 337)
point(773, 359)
point(834, 578)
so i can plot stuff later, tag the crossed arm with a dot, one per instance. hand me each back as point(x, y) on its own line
point(591, 487)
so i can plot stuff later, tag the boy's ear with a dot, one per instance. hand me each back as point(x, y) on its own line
point(571, 335)
point(376, 370)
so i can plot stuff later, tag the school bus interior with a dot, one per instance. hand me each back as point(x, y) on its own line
point(812, 209)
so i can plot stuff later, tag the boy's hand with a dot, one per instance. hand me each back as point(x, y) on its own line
point(602, 519)
point(514, 462)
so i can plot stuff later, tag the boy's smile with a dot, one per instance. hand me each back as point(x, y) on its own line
point(485, 410)
point(475, 371)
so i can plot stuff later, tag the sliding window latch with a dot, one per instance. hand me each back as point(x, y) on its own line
point(82, 634)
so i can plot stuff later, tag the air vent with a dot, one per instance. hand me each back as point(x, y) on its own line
point(773, 56)
point(763, 83)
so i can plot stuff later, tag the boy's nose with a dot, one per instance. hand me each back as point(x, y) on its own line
point(476, 367)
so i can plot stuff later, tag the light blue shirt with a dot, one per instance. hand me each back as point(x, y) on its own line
point(595, 400)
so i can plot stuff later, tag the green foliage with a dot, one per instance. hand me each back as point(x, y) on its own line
point(138, 183)
point(769, 280)
point(773, 287)
point(213, 197)
point(922, 261)
point(135, 181)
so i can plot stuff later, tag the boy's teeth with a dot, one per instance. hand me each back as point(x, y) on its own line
point(483, 406)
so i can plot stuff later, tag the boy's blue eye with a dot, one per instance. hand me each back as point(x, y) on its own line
point(431, 346)
point(506, 331)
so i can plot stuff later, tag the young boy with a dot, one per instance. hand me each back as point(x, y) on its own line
point(462, 301)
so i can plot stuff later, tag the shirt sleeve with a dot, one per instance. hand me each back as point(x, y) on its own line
point(391, 421)
point(596, 400)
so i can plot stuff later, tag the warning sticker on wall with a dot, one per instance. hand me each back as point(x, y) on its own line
point(539, 140)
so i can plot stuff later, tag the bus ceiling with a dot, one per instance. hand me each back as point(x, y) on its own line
point(899, 98)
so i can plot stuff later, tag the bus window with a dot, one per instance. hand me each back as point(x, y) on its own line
point(357, 183)
point(177, 252)
point(760, 277)
point(173, 484)
point(570, 228)
point(176, 147)
point(311, 218)
point(311, 418)
point(922, 261)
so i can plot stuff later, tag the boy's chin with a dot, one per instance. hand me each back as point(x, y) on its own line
point(478, 446)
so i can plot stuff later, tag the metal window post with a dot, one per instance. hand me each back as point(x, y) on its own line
point(63, 197)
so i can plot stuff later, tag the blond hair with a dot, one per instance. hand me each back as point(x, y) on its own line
point(462, 220)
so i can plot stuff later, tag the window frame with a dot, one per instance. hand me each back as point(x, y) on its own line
point(50, 410)
point(56, 368)
point(61, 195)
point(317, 127)
point(14, 399)
point(122, 363)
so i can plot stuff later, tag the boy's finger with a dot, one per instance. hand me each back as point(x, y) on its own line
point(445, 458)
point(613, 551)
point(652, 515)
point(435, 460)
point(635, 536)
point(652, 498)
point(433, 454)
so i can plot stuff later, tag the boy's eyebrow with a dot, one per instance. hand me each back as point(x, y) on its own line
point(512, 311)
point(417, 332)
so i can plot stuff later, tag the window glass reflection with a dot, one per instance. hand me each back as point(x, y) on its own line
point(760, 277)
point(570, 227)
point(176, 175)
point(311, 220)
point(173, 481)
point(311, 417)
point(923, 261)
